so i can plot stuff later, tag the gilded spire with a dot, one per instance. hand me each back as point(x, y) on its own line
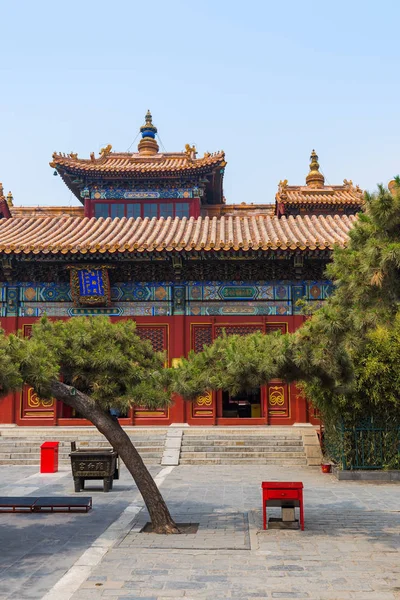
point(315, 179)
point(148, 145)
point(10, 199)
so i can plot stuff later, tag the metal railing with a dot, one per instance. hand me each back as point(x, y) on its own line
point(365, 446)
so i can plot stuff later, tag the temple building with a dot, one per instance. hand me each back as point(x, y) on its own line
point(155, 241)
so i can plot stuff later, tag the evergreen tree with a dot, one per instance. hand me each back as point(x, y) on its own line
point(93, 365)
point(10, 377)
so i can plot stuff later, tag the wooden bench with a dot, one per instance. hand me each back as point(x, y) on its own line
point(26, 504)
point(282, 494)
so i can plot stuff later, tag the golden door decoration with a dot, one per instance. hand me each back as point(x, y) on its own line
point(203, 405)
point(33, 407)
point(277, 399)
point(202, 335)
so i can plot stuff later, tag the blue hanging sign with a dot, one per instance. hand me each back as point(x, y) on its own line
point(91, 282)
point(90, 286)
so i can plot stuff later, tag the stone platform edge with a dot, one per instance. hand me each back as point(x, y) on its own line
point(367, 475)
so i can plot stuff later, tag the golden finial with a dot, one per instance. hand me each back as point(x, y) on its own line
point(148, 122)
point(148, 144)
point(315, 179)
point(10, 199)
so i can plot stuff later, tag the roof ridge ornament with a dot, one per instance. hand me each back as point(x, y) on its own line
point(282, 186)
point(190, 151)
point(315, 179)
point(106, 150)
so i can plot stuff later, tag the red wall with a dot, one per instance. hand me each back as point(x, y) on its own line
point(177, 336)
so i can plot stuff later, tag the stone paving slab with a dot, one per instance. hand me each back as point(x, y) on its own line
point(222, 530)
point(38, 549)
point(350, 548)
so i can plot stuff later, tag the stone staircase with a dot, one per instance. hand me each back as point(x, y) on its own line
point(287, 446)
point(266, 446)
point(21, 446)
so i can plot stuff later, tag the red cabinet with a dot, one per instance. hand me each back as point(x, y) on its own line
point(49, 457)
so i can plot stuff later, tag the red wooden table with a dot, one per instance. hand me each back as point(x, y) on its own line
point(283, 494)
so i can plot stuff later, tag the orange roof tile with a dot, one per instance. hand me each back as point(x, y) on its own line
point(117, 163)
point(61, 235)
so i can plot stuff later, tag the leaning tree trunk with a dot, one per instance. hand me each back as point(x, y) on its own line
point(159, 514)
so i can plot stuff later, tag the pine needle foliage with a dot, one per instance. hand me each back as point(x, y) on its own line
point(107, 361)
point(233, 363)
point(10, 377)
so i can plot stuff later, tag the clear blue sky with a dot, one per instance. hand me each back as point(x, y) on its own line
point(265, 81)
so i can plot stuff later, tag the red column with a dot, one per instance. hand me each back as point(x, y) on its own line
point(177, 350)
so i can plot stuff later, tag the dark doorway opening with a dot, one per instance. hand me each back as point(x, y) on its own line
point(245, 405)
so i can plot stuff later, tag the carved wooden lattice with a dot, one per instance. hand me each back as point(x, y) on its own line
point(202, 336)
point(27, 331)
point(156, 335)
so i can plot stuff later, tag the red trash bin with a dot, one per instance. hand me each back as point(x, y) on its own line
point(49, 457)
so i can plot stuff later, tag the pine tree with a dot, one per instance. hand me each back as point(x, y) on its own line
point(93, 365)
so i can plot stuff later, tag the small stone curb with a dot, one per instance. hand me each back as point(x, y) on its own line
point(367, 475)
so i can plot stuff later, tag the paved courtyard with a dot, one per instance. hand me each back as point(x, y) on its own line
point(349, 549)
point(38, 549)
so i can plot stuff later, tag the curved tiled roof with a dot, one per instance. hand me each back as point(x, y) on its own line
point(54, 235)
point(340, 194)
point(129, 163)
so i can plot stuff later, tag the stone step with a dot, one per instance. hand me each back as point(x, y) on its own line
point(67, 438)
point(242, 433)
point(192, 441)
point(270, 446)
point(36, 463)
point(250, 454)
point(239, 444)
point(73, 437)
point(244, 461)
point(229, 449)
point(6, 447)
point(65, 452)
point(36, 455)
